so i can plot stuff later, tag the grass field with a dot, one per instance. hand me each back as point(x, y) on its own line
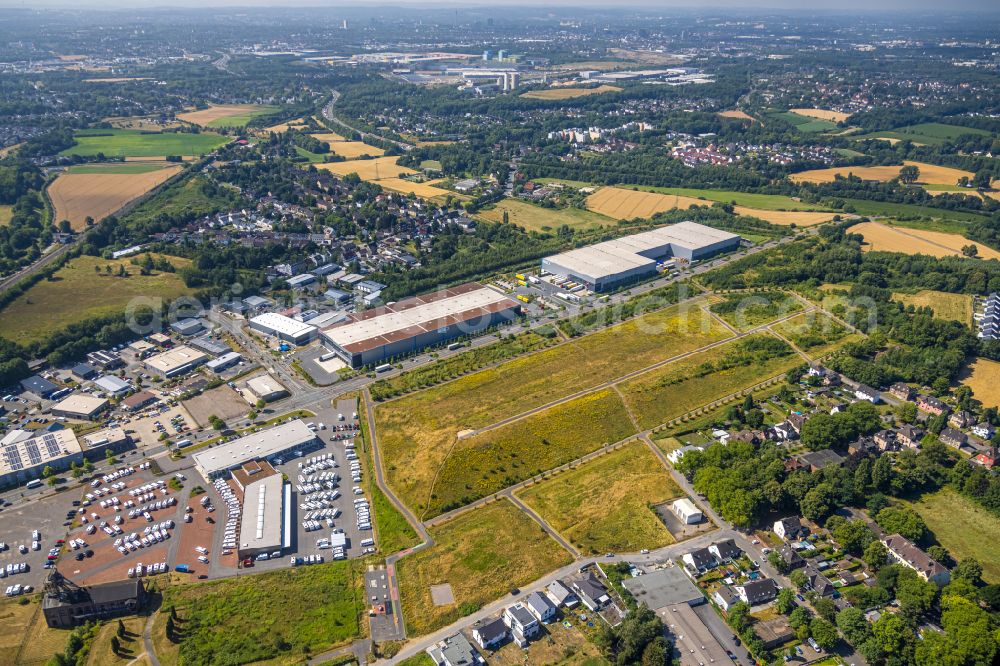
point(239, 620)
point(816, 334)
point(672, 391)
point(422, 190)
point(25, 626)
point(417, 430)
point(929, 173)
point(605, 504)
point(890, 209)
point(804, 124)
point(15, 620)
point(226, 115)
point(822, 114)
point(944, 304)
point(78, 292)
point(963, 527)
point(480, 465)
point(134, 143)
point(351, 150)
point(376, 169)
point(6, 212)
point(981, 376)
point(482, 554)
point(131, 646)
point(925, 133)
point(97, 192)
point(569, 93)
point(750, 310)
point(536, 218)
point(883, 238)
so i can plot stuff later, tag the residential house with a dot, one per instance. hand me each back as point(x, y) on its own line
point(748, 436)
point(724, 597)
point(862, 445)
point(523, 625)
point(490, 634)
point(774, 633)
point(838, 408)
point(886, 440)
point(756, 592)
point(675, 456)
point(784, 431)
point(791, 557)
point(561, 595)
point(863, 392)
point(962, 419)
point(954, 438)
point(700, 560)
point(796, 421)
point(818, 583)
point(902, 391)
point(454, 651)
point(984, 430)
point(725, 551)
point(817, 460)
point(909, 436)
point(905, 552)
point(789, 528)
point(590, 591)
point(931, 405)
point(541, 607)
point(988, 458)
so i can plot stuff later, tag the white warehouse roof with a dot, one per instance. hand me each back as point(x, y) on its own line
point(261, 444)
point(282, 325)
point(260, 526)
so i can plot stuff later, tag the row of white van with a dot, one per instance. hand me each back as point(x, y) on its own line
point(308, 559)
point(15, 590)
point(14, 568)
point(148, 570)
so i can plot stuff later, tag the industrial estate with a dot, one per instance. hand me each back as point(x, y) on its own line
point(458, 336)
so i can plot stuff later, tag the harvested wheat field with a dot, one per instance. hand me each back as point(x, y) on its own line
point(121, 79)
point(328, 137)
point(4, 152)
point(623, 204)
point(944, 304)
point(883, 238)
point(351, 150)
point(422, 190)
point(931, 174)
point(568, 93)
point(735, 115)
point(823, 114)
point(983, 377)
point(376, 169)
point(76, 196)
point(281, 128)
point(223, 114)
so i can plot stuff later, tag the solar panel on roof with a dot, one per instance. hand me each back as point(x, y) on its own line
point(13, 457)
point(34, 455)
point(52, 445)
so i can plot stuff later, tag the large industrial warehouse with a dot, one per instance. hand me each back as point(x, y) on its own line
point(402, 328)
point(261, 526)
point(624, 260)
point(263, 444)
point(283, 328)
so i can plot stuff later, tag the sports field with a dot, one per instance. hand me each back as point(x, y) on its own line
point(931, 174)
point(823, 114)
point(375, 169)
point(816, 334)
point(226, 115)
point(944, 304)
point(688, 384)
point(351, 150)
point(883, 238)
point(97, 191)
point(422, 190)
point(625, 204)
point(536, 218)
point(77, 292)
point(481, 554)
point(605, 505)
point(418, 430)
point(963, 527)
point(569, 93)
point(933, 134)
point(136, 143)
point(983, 377)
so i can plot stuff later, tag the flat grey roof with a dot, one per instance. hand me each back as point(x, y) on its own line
point(261, 444)
point(260, 526)
point(664, 587)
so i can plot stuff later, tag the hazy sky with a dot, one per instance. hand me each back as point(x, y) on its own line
point(710, 5)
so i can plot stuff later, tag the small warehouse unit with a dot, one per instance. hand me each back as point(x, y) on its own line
point(687, 511)
point(373, 336)
point(629, 259)
point(283, 328)
point(264, 387)
point(225, 361)
point(287, 438)
point(261, 523)
point(176, 361)
point(112, 385)
point(79, 406)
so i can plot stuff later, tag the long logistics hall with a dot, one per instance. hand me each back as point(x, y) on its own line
point(628, 259)
point(398, 329)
